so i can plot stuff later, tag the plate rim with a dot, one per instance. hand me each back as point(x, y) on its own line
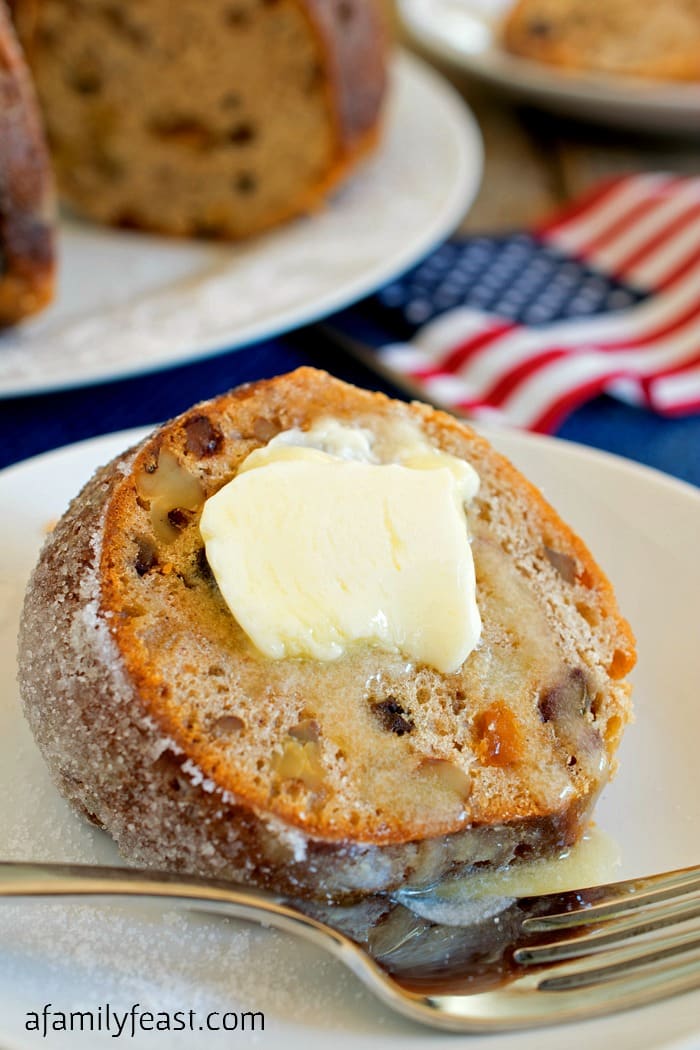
point(526, 76)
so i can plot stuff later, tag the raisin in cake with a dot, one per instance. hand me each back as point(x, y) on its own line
point(215, 119)
point(163, 723)
point(611, 36)
point(26, 198)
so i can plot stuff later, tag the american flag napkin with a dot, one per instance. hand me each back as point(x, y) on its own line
point(604, 297)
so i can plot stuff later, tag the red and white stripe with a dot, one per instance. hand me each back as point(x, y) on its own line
point(646, 230)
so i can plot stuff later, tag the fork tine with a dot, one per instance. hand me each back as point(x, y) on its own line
point(596, 961)
point(547, 997)
point(562, 999)
point(615, 930)
point(679, 954)
point(617, 899)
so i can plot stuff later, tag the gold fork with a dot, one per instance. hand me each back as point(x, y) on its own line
point(518, 963)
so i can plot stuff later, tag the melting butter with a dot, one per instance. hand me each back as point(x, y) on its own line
point(478, 895)
point(316, 545)
point(591, 861)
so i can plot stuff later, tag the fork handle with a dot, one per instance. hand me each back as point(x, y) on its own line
point(28, 879)
point(82, 881)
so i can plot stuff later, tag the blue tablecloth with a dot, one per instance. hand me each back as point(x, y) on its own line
point(31, 425)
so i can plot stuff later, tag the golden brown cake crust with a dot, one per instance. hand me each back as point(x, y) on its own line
point(354, 41)
point(26, 201)
point(161, 724)
point(609, 36)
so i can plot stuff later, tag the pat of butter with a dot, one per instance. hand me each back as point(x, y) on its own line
point(316, 550)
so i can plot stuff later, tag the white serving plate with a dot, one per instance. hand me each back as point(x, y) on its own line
point(467, 33)
point(643, 528)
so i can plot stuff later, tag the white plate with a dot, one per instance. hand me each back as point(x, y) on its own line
point(130, 303)
point(466, 32)
point(642, 526)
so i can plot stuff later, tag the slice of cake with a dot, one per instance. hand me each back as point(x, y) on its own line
point(609, 36)
point(315, 639)
point(216, 119)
